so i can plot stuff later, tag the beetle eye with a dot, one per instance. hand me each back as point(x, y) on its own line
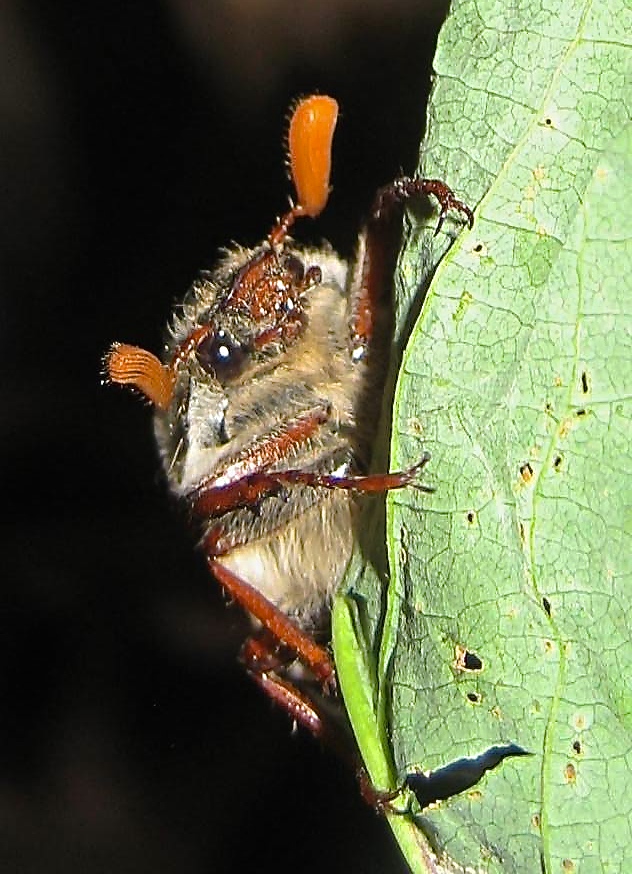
point(221, 355)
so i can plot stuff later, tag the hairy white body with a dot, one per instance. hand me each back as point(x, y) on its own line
point(294, 545)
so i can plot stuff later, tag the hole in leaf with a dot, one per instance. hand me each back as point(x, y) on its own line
point(466, 660)
point(547, 606)
point(526, 472)
point(474, 697)
point(570, 773)
point(585, 382)
point(432, 786)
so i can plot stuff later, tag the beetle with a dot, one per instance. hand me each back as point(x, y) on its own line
point(265, 411)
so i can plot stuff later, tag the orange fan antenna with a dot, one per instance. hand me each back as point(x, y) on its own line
point(133, 366)
point(310, 137)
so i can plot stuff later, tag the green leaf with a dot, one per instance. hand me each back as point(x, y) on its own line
point(517, 376)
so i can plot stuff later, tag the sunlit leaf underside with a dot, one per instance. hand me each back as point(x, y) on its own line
point(518, 379)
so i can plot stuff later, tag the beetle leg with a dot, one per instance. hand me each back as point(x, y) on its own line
point(377, 252)
point(281, 626)
point(405, 187)
point(212, 500)
point(263, 653)
point(322, 715)
point(297, 705)
point(366, 484)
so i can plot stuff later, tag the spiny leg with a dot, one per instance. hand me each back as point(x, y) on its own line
point(405, 188)
point(212, 499)
point(281, 626)
point(378, 247)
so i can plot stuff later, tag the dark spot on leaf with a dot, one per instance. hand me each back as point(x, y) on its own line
point(580, 412)
point(548, 121)
point(535, 820)
point(466, 660)
point(478, 247)
point(474, 697)
point(526, 472)
point(557, 462)
point(548, 407)
point(568, 865)
point(547, 606)
point(548, 646)
point(459, 775)
point(585, 382)
point(577, 747)
point(471, 517)
point(570, 773)
point(521, 531)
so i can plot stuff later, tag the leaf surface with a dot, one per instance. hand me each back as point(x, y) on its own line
point(517, 376)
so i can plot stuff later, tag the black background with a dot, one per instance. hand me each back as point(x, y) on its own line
point(135, 140)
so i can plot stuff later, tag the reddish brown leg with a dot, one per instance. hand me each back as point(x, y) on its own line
point(288, 697)
point(366, 484)
point(262, 653)
point(210, 499)
point(405, 188)
point(379, 244)
point(380, 800)
point(313, 656)
point(322, 716)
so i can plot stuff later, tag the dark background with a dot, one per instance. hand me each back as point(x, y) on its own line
point(135, 139)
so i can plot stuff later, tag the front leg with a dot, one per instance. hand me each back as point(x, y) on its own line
point(378, 247)
point(211, 499)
